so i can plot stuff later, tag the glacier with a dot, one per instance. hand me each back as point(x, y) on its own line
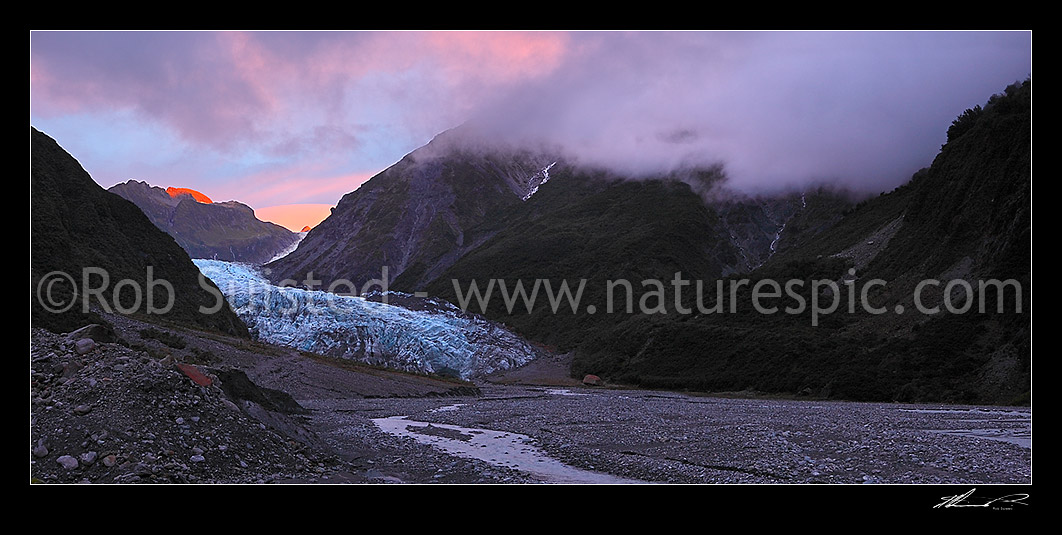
point(289, 249)
point(426, 335)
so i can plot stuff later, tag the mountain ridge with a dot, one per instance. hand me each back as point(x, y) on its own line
point(76, 224)
point(225, 230)
point(965, 218)
point(414, 218)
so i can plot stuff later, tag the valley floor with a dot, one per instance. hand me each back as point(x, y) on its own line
point(676, 438)
point(512, 432)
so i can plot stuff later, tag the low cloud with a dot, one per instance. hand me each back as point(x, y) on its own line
point(777, 110)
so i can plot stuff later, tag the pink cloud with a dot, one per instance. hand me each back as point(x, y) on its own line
point(181, 79)
point(255, 66)
point(504, 57)
point(316, 107)
point(224, 89)
point(294, 185)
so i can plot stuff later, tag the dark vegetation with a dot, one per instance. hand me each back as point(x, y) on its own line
point(590, 227)
point(965, 216)
point(433, 221)
point(75, 224)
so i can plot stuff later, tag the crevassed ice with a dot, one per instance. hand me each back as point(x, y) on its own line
point(440, 340)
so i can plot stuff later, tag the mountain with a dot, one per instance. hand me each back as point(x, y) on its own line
point(965, 218)
point(450, 214)
point(458, 210)
point(206, 229)
point(198, 196)
point(591, 228)
point(418, 216)
point(442, 201)
point(76, 224)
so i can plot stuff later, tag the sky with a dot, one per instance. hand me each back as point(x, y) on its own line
point(289, 122)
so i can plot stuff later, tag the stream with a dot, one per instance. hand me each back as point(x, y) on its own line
point(510, 450)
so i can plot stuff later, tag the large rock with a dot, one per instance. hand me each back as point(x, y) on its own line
point(195, 374)
point(40, 451)
point(591, 380)
point(84, 346)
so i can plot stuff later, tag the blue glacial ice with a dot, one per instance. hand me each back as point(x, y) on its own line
point(437, 337)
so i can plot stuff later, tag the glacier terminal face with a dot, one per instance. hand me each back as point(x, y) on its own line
point(436, 337)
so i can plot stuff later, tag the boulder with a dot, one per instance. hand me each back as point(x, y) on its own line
point(70, 369)
point(40, 451)
point(194, 373)
point(84, 345)
point(67, 462)
point(592, 380)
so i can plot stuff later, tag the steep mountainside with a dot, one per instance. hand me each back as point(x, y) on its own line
point(76, 224)
point(449, 213)
point(222, 230)
point(965, 218)
point(597, 228)
point(767, 225)
point(416, 217)
point(439, 203)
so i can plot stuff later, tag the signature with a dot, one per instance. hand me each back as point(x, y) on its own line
point(960, 500)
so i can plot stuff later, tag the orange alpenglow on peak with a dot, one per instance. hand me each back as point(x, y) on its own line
point(174, 192)
point(306, 228)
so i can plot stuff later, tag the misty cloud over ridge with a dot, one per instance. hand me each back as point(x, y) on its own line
point(776, 109)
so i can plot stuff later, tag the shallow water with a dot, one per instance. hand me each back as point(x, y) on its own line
point(448, 408)
point(1017, 423)
point(564, 392)
point(1020, 437)
point(511, 450)
point(974, 411)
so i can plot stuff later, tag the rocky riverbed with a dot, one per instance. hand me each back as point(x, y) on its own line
point(158, 405)
point(677, 438)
